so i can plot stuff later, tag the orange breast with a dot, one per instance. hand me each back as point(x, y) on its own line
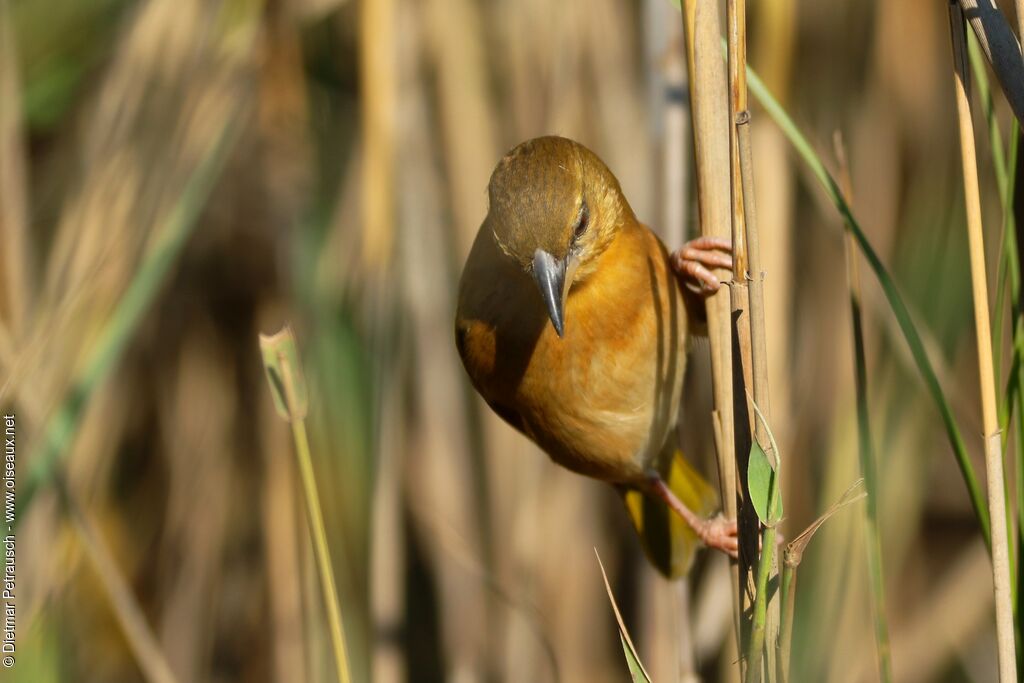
point(601, 400)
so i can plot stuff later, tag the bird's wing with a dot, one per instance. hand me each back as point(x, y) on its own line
point(498, 319)
point(508, 415)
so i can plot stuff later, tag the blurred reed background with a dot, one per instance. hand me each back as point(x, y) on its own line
point(228, 165)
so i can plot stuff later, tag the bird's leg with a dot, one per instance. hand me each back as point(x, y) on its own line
point(717, 532)
point(694, 261)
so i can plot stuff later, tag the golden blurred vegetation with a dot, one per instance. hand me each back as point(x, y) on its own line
point(179, 175)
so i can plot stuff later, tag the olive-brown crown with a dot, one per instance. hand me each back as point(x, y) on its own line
point(554, 194)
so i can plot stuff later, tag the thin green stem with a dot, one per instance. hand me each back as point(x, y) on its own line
point(764, 567)
point(288, 389)
point(323, 556)
point(788, 610)
point(317, 529)
point(872, 536)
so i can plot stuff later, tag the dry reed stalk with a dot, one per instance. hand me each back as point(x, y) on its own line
point(712, 612)
point(1001, 48)
point(668, 657)
point(739, 299)
point(759, 359)
point(130, 617)
point(614, 103)
point(16, 293)
point(122, 228)
point(747, 269)
point(456, 42)
point(774, 40)
point(197, 435)
point(737, 61)
point(378, 82)
point(675, 181)
point(387, 558)
point(88, 471)
point(470, 144)
point(687, 664)
point(438, 472)
point(388, 535)
point(993, 446)
point(531, 63)
point(708, 97)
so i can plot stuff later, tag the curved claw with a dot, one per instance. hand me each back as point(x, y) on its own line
point(694, 260)
point(721, 534)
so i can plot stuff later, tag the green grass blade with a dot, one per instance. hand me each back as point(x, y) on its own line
point(636, 668)
point(899, 308)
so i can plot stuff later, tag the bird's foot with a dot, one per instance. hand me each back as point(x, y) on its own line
point(717, 532)
point(694, 261)
point(721, 534)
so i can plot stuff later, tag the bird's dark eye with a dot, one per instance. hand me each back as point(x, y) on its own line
point(582, 221)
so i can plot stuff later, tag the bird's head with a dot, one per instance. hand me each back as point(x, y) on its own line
point(555, 208)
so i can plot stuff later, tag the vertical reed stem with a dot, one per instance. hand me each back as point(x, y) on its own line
point(765, 629)
point(788, 610)
point(993, 451)
point(759, 358)
point(708, 97)
point(747, 520)
point(376, 35)
point(747, 249)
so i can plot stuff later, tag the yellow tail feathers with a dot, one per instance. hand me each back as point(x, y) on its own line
point(669, 542)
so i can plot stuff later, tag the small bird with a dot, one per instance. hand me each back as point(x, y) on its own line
point(572, 323)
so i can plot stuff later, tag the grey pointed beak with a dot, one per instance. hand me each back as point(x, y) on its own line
point(549, 274)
